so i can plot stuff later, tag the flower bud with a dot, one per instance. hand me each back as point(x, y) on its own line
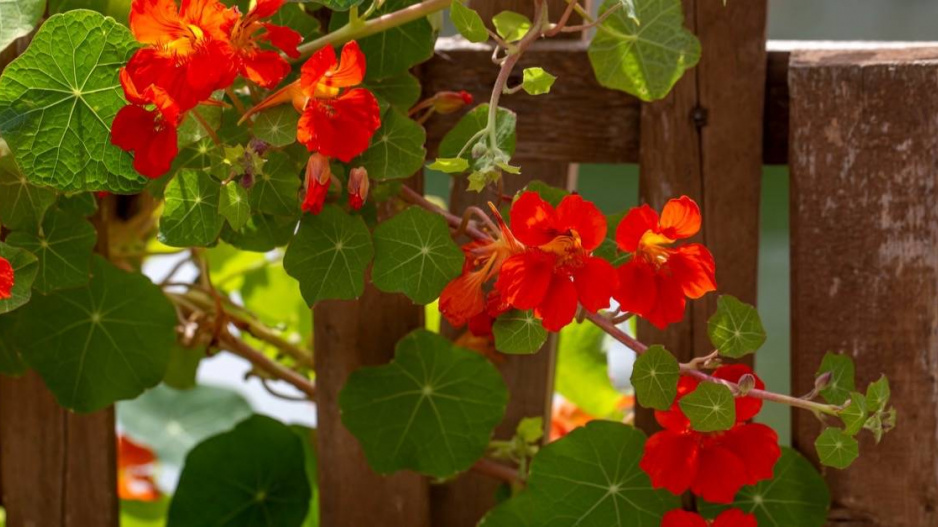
point(451, 101)
point(746, 384)
point(358, 185)
point(318, 179)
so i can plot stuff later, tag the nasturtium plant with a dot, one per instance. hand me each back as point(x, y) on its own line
point(432, 409)
point(57, 102)
point(654, 376)
point(116, 331)
point(192, 180)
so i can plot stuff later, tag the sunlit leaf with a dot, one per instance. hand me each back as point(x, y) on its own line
point(58, 99)
point(22, 204)
point(511, 26)
point(233, 205)
point(432, 409)
point(415, 255)
point(468, 22)
point(536, 81)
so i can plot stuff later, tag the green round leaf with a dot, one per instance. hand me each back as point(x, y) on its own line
point(63, 246)
point(191, 217)
point(415, 255)
point(329, 255)
point(518, 333)
point(877, 394)
point(468, 22)
point(100, 343)
point(233, 205)
point(400, 92)
point(183, 367)
point(395, 50)
point(83, 204)
point(172, 422)
point(536, 81)
point(590, 478)
point(511, 26)
point(58, 99)
point(22, 204)
point(644, 59)
point(842, 380)
point(19, 18)
point(25, 266)
point(277, 125)
point(710, 407)
point(432, 409)
point(254, 475)
point(654, 376)
point(836, 449)
point(449, 165)
point(261, 233)
point(276, 189)
point(396, 150)
point(796, 496)
point(735, 329)
point(854, 416)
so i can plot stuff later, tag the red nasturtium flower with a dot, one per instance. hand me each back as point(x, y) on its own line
point(712, 465)
point(6, 279)
point(338, 119)
point(134, 471)
point(465, 298)
point(727, 518)
point(318, 180)
point(655, 281)
point(151, 134)
point(263, 66)
point(557, 268)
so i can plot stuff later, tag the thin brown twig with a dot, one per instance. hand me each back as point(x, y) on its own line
point(230, 343)
point(496, 470)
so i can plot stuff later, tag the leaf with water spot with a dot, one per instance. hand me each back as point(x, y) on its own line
point(191, 217)
point(329, 255)
point(58, 99)
point(63, 245)
point(432, 409)
point(415, 255)
point(518, 333)
point(589, 478)
point(254, 475)
point(100, 343)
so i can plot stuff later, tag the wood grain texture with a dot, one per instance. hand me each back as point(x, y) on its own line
point(349, 335)
point(59, 468)
point(864, 217)
point(705, 140)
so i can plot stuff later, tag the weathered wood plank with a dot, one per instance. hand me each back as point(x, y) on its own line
point(865, 262)
point(705, 140)
point(58, 468)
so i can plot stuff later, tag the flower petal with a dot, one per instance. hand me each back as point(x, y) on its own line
point(595, 282)
point(558, 307)
point(351, 70)
point(316, 67)
point(266, 68)
point(757, 446)
point(283, 38)
point(637, 290)
point(669, 305)
point(156, 21)
point(735, 518)
point(720, 475)
point(524, 279)
point(582, 216)
point(265, 8)
point(634, 225)
point(532, 220)
point(463, 298)
point(682, 518)
point(680, 218)
point(692, 266)
point(153, 143)
point(6, 279)
point(212, 17)
point(340, 128)
point(671, 460)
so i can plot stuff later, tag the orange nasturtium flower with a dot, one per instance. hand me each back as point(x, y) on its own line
point(265, 67)
point(338, 119)
point(654, 282)
point(151, 134)
point(6, 279)
point(557, 269)
point(134, 471)
point(465, 299)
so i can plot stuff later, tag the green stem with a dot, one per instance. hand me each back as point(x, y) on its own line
point(356, 28)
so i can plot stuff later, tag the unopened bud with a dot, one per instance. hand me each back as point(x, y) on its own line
point(358, 185)
point(318, 170)
point(479, 150)
point(746, 384)
point(451, 101)
point(822, 381)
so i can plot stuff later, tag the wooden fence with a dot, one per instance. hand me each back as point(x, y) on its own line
point(858, 126)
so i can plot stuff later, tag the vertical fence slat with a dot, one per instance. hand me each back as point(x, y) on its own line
point(705, 140)
point(58, 468)
point(864, 198)
point(349, 335)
